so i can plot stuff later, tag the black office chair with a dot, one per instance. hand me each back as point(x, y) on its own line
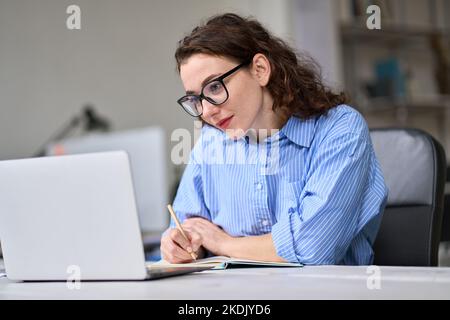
point(445, 236)
point(414, 168)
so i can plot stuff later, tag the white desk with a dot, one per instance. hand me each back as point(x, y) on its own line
point(316, 282)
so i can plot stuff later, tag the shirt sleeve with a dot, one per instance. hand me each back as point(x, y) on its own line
point(320, 229)
point(189, 200)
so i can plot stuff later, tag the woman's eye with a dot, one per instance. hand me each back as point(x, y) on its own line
point(193, 100)
point(215, 87)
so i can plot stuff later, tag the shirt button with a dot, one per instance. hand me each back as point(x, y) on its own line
point(265, 223)
point(291, 210)
point(259, 186)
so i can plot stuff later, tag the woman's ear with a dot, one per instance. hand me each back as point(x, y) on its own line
point(261, 69)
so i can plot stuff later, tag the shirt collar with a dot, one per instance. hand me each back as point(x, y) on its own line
point(300, 131)
point(297, 130)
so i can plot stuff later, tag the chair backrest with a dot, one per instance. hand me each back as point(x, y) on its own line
point(414, 168)
point(445, 236)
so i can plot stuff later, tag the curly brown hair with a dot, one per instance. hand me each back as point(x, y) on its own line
point(295, 81)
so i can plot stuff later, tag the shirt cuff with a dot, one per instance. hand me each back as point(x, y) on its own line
point(283, 239)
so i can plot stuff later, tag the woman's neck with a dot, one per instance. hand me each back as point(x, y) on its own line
point(270, 122)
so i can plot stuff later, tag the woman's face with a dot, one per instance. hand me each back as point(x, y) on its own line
point(247, 98)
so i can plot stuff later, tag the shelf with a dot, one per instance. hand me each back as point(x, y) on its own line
point(437, 103)
point(417, 113)
point(390, 33)
point(416, 38)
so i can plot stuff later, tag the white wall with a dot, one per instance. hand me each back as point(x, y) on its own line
point(316, 31)
point(121, 61)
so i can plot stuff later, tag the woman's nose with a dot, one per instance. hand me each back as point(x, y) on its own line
point(209, 109)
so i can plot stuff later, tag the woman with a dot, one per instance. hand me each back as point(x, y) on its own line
point(313, 194)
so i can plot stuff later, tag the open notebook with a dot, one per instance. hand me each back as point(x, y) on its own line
point(221, 262)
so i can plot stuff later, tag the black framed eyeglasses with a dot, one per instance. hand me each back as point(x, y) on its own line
point(215, 92)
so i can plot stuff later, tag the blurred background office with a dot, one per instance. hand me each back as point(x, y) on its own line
point(120, 63)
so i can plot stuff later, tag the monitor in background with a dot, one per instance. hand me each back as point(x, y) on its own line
point(147, 153)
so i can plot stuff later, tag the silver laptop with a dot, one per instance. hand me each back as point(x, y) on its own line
point(72, 215)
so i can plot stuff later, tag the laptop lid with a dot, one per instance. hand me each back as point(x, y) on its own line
point(78, 212)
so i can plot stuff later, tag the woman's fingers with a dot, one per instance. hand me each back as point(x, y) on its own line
point(179, 239)
point(194, 236)
point(196, 240)
point(172, 252)
point(177, 255)
point(175, 248)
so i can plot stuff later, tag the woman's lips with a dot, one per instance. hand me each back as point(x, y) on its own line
point(223, 124)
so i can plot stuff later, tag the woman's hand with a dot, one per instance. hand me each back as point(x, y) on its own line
point(176, 249)
point(213, 238)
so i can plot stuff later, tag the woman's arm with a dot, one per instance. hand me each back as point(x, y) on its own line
point(220, 243)
point(252, 247)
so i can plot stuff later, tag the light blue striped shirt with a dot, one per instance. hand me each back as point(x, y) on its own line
point(316, 185)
